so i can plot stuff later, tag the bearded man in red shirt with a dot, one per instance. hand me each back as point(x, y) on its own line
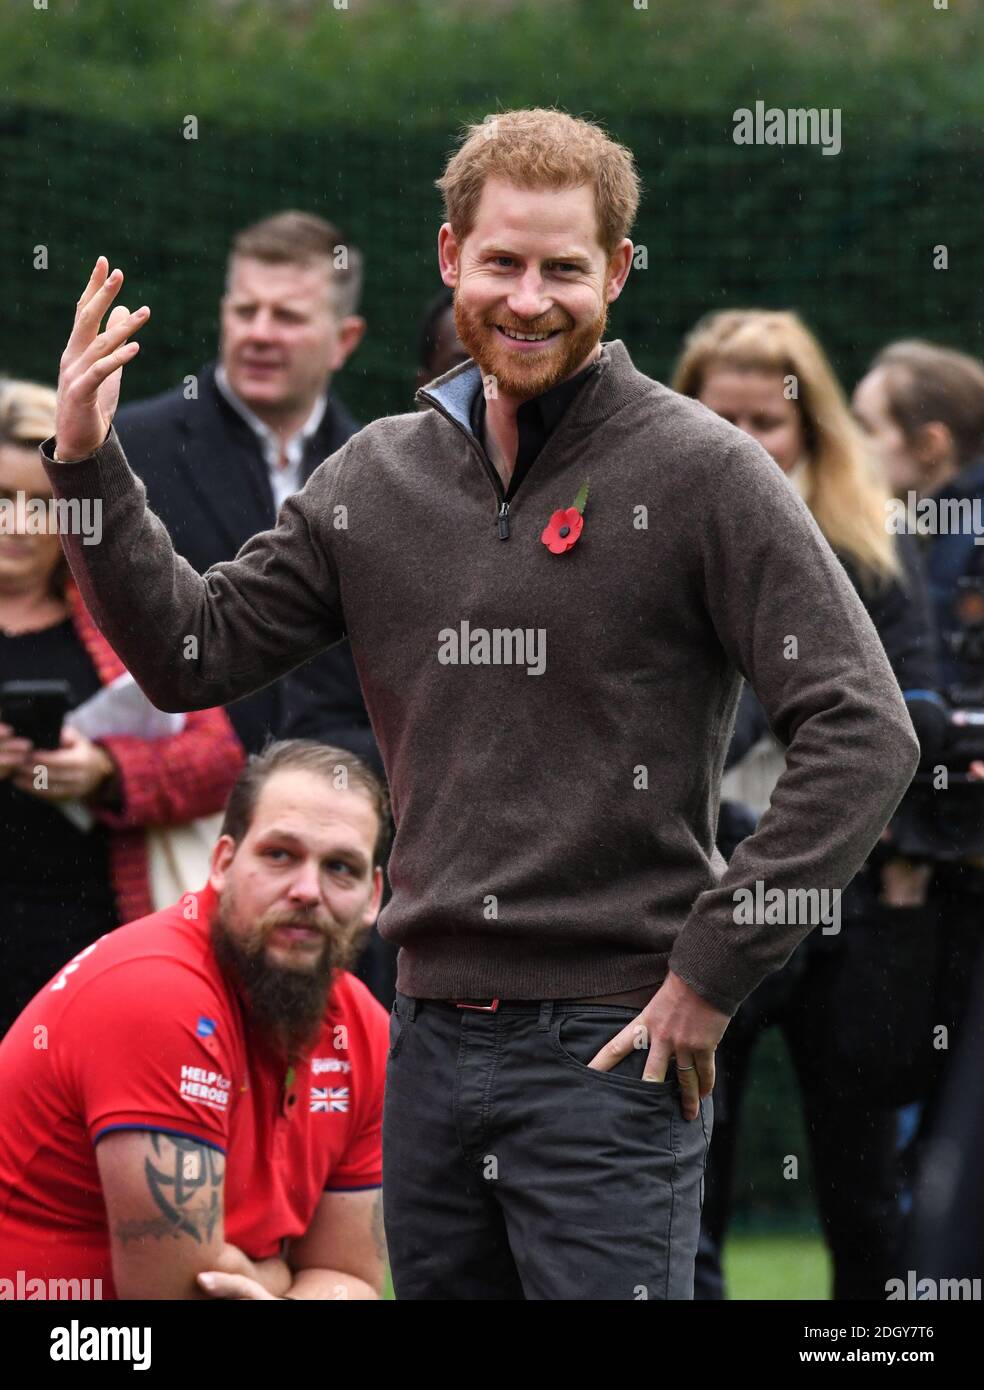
point(193, 1106)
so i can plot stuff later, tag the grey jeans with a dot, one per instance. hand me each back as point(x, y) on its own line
point(512, 1170)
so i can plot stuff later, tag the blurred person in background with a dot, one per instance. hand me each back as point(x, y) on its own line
point(846, 1000)
point(438, 346)
point(63, 886)
point(922, 407)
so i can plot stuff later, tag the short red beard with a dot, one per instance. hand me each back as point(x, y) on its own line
point(536, 372)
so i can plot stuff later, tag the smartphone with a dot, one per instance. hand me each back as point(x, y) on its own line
point(36, 709)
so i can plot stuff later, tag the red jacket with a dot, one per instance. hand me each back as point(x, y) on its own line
point(163, 781)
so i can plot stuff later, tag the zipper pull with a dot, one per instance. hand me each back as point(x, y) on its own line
point(504, 521)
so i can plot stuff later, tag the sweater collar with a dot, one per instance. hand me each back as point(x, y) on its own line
point(612, 381)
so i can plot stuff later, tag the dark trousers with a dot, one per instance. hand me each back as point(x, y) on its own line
point(512, 1170)
point(946, 1240)
point(958, 890)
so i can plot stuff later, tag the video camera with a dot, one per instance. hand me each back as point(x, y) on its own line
point(946, 821)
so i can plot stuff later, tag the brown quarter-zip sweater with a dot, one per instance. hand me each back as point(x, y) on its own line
point(553, 726)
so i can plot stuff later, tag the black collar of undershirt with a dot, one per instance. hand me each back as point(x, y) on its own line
point(536, 420)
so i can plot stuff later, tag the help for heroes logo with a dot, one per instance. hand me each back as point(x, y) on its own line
point(209, 1087)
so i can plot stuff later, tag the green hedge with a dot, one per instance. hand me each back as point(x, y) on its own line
point(848, 241)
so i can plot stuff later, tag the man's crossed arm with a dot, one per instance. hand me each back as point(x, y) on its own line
point(164, 1198)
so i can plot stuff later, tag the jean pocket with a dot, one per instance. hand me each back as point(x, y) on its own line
point(577, 1036)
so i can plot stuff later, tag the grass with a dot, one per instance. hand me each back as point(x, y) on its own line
point(777, 1267)
point(772, 1267)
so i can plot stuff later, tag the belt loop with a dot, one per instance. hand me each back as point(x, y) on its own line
point(546, 1014)
point(411, 1010)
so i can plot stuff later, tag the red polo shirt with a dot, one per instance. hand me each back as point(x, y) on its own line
point(143, 1031)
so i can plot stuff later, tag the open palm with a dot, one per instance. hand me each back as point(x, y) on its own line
point(92, 364)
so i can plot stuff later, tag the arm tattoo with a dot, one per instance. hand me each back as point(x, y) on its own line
point(184, 1178)
point(378, 1230)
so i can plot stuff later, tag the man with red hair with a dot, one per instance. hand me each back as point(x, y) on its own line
point(553, 581)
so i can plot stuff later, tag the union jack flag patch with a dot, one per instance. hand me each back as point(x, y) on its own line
point(329, 1098)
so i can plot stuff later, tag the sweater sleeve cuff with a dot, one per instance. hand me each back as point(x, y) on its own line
point(104, 474)
point(705, 971)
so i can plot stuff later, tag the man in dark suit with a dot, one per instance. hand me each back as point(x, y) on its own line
point(266, 411)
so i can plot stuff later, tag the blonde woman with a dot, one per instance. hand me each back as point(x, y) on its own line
point(846, 1009)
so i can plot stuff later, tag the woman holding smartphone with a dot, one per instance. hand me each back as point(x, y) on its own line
point(61, 886)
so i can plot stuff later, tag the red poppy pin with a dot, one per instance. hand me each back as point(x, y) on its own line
point(564, 527)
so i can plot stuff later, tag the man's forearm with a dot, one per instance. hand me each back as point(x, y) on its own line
point(793, 625)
